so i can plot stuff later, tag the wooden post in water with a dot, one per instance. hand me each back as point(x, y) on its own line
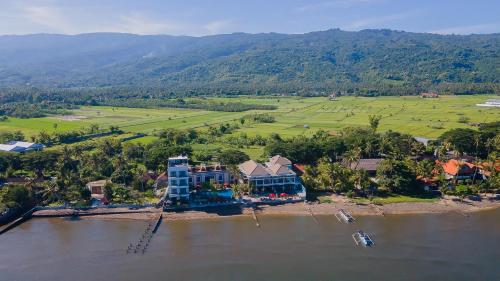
point(255, 217)
point(311, 213)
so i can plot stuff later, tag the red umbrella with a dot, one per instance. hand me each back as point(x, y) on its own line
point(283, 195)
point(226, 184)
point(272, 195)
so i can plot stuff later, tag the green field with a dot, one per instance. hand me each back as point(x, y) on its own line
point(294, 116)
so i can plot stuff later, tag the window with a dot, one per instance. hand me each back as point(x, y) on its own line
point(182, 182)
point(174, 191)
point(182, 174)
point(183, 191)
point(173, 182)
point(173, 174)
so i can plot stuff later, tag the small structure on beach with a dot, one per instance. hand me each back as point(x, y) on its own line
point(97, 188)
point(369, 165)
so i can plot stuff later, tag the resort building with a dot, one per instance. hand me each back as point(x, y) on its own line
point(181, 176)
point(216, 174)
point(178, 178)
point(21, 146)
point(273, 177)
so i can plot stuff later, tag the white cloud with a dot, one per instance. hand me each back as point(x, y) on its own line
point(219, 26)
point(470, 29)
point(335, 3)
point(374, 21)
point(50, 17)
point(141, 24)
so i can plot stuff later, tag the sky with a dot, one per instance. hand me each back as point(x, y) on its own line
point(199, 18)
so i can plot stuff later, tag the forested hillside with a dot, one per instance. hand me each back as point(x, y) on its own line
point(366, 62)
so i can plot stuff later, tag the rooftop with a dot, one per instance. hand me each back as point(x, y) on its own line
point(277, 165)
point(455, 167)
point(369, 165)
point(278, 159)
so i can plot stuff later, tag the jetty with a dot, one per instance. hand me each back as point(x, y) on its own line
point(25, 217)
point(142, 245)
point(362, 238)
point(344, 216)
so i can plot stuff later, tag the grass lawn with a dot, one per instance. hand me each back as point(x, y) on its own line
point(294, 116)
point(394, 199)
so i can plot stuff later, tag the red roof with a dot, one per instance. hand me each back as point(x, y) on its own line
point(300, 168)
point(455, 167)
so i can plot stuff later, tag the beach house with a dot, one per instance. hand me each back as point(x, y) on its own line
point(276, 176)
point(459, 170)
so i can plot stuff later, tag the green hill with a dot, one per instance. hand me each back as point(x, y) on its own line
point(378, 61)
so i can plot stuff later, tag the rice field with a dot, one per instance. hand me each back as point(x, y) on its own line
point(294, 116)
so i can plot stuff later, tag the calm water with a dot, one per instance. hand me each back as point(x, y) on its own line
point(417, 247)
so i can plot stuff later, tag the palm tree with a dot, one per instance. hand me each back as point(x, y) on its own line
point(477, 140)
point(140, 172)
point(353, 156)
point(51, 190)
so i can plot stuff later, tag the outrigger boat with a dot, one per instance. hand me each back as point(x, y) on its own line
point(362, 238)
point(344, 216)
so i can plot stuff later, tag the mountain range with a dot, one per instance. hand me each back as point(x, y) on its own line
point(369, 60)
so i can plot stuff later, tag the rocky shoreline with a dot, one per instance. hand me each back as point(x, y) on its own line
point(301, 208)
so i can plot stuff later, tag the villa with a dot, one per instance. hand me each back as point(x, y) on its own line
point(203, 173)
point(459, 170)
point(21, 146)
point(181, 176)
point(273, 177)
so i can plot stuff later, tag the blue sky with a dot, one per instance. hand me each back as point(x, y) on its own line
point(196, 17)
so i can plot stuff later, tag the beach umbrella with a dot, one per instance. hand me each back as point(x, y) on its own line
point(283, 195)
point(272, 195)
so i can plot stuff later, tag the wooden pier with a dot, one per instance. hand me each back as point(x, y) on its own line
point(311, 212)
point(142, 245)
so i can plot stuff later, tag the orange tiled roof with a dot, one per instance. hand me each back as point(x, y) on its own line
point(454, 167)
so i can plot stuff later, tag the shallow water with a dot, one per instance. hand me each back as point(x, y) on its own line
point(410, 247)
